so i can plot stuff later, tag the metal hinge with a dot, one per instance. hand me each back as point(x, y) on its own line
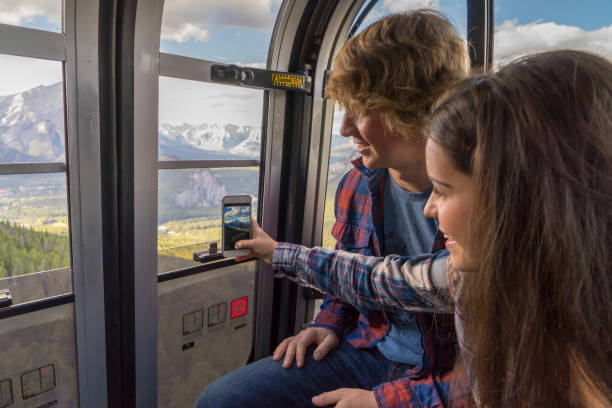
point(261, 78)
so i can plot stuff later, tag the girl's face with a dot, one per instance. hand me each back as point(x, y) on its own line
point(451, 203)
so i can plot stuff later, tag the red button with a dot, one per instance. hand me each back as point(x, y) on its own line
point(239, 307)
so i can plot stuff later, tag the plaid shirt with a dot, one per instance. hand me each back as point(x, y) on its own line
point(358, 228)
point(417, 283)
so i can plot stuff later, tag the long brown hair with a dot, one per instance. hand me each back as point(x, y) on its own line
point(536, 137)
point(398, 67)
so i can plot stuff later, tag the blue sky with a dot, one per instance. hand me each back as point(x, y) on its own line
point(586, 14)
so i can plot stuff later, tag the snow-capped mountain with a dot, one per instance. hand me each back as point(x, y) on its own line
point(32, 130)
point(229, 139)
point(203, 191)
point(32, 125)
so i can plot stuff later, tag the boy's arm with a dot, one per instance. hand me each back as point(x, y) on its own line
point(417, 283)
point(429, 392)
point(336, 315)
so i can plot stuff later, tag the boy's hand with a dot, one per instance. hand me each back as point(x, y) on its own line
point(346, 398)
point(295, 346)
point(261, 245)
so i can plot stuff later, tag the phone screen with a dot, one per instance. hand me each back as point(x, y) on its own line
point(236, 224)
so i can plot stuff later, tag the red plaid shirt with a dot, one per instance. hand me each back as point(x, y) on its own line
point(359, 227)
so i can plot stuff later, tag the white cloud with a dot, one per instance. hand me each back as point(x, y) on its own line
point(16, 12)
point(186, 32)
point(20, 74)
point(337, 121)
point(513, 40)
point(190, 19)
point(193, 102)
point(261, 65)
point(395, 6)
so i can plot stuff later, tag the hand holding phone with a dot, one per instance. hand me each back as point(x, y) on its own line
point(236, 219)
point(260, 246)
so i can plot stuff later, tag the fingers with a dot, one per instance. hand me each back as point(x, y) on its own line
point(254, 225)
point(329, 342)
point(289, 355)
point(295, 348)
point(280, 350)
point(328, 398)
point(243, 258)
point(300, 353)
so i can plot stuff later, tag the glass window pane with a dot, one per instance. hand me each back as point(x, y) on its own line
point(342, 152)
point(40, 14)
point(233, 31)
point(33, 224)
point(204, 121)
point(189, 209)
point(31, 110)
point(527, 27)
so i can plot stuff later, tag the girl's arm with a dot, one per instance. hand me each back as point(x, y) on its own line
point(418, 283)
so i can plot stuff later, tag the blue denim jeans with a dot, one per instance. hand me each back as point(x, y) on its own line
point(265, 383)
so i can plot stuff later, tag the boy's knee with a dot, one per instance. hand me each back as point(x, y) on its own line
point(215, 395)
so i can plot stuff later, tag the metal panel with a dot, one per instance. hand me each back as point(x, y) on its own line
point(27, 42)
point(178, 66)
point(146, 95)
point(36, 340)
point(189, 362)
point(31, 168)
point(205, 164)
point(83, 160)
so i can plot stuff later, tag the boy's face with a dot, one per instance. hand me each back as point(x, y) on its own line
point(379, 147)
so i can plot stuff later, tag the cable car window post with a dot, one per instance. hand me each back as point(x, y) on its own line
point(480, 32)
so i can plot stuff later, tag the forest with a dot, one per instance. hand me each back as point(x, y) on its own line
point(24, 250)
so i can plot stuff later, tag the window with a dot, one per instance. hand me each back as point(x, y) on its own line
point(209, 134)
point(34, 231)
point(527, 27)
point(232, 32)
point(41, 15)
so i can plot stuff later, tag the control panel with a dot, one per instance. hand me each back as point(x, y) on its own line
point(216, 314)
point(216, 318)
point(35, 388)
point(6, 393)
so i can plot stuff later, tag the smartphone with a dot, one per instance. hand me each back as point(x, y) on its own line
point(236, 216)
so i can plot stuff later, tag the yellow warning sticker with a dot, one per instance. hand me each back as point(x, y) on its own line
point(288, 80)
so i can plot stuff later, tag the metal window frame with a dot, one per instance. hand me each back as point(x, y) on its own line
point(275, 105)
point(480, 33)
point(85, 191)
point(339, 27)
point(146, 100)
point(205, 164)
point(32, 43)
point(32, 168)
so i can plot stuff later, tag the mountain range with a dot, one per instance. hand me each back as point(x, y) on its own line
point(32, 130)
point(32, 125)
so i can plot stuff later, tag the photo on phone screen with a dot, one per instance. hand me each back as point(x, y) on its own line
point(236, 224)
